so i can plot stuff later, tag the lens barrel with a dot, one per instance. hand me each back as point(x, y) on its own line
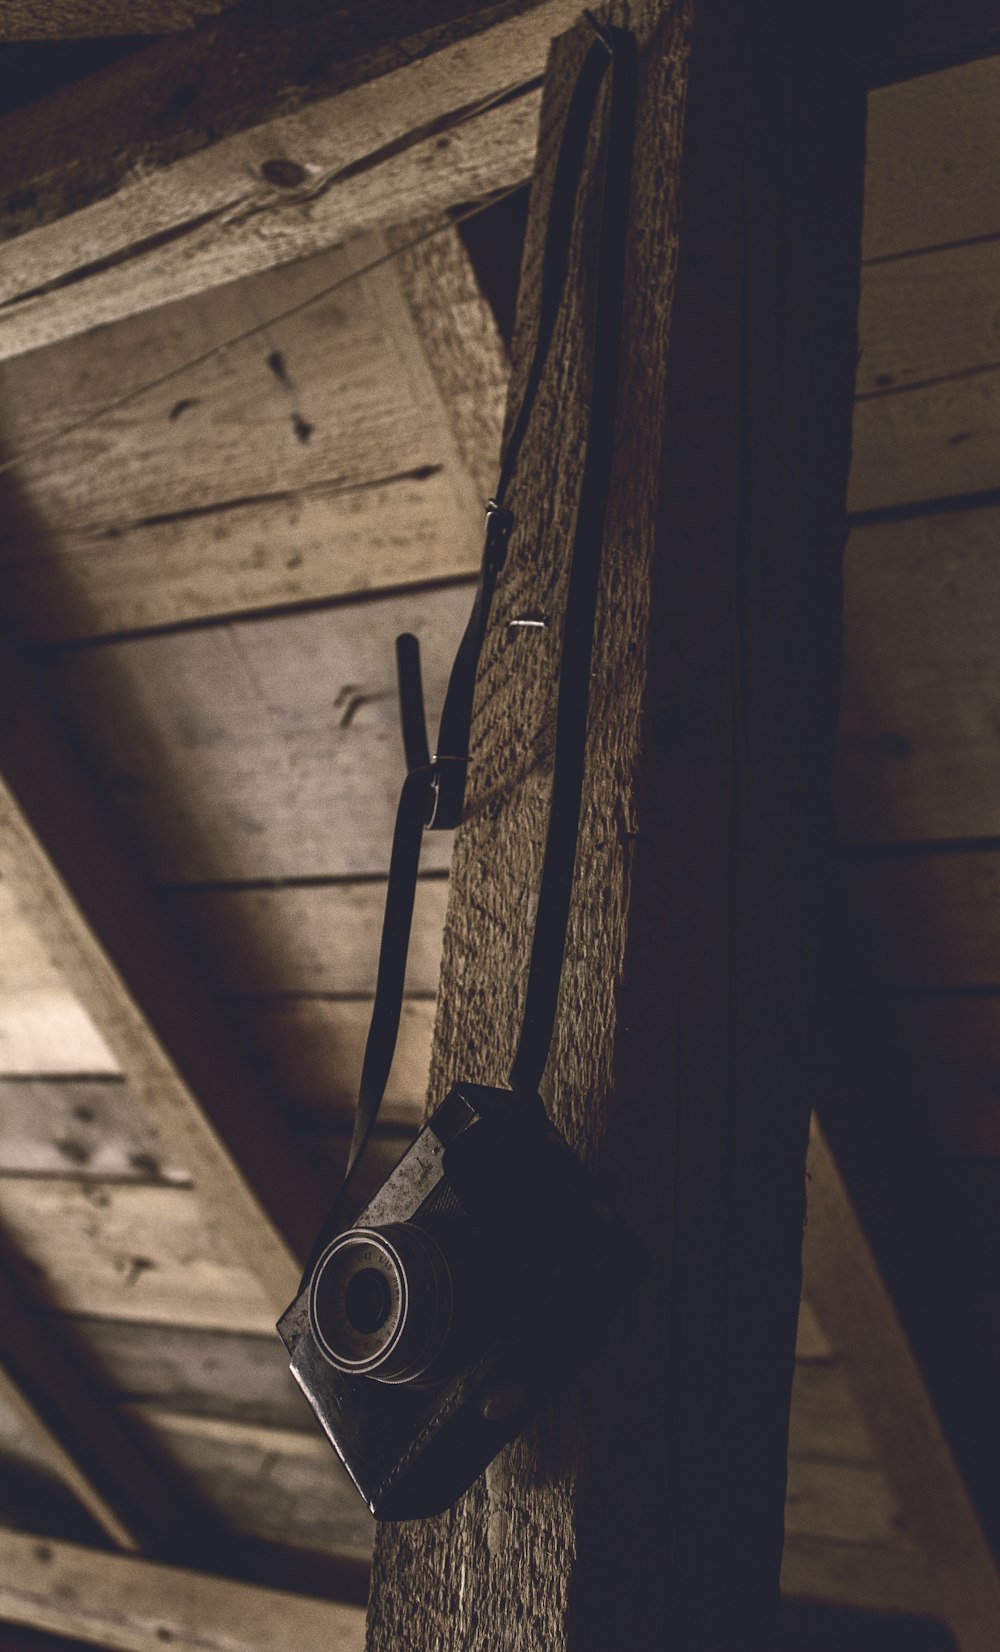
point(381, 1301)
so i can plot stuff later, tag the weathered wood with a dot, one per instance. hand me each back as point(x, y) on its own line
point(43, 1028)
point(81, 892)
point(918, 756)
point(313, 1049)
point(65, 19)
point(696, 1483)
point(133, 1606)
point(85, 1128)
point(313, 402)
point(933, 443)
point(127, 1252)
point(930, 176)
point(852, 1299)
point(399, 144)
point(262, 750)
point(921, 920)
point(206, 1372)
point(283, 1485)
point(929, 316)
point(94, 1454)
point(320, 938)
point(886, 1578)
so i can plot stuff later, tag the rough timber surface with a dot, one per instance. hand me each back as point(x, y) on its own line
point(527, 1527)
point(297, 466)
point(262, 749)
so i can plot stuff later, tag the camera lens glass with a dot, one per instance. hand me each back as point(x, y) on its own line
point(380, 1302)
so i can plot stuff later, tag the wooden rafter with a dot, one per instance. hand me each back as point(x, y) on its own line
point(85, 897)
point(91, 1449)
point(130, 1605)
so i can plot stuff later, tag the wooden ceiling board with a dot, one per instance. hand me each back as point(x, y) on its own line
point(308, 940)
point(918, 756)
point(256, 751)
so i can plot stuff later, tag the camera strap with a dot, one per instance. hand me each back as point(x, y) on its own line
point(434, 787)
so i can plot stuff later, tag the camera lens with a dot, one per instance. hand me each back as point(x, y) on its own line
point(380, 1302)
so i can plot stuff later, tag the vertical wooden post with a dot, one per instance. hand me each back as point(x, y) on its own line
point(645, 1508)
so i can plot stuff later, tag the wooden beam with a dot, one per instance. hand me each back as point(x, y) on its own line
point(282, 158)
point(131, 1605)
point(82, 893)
point(647, 1504)
point(96, 1454)
point(855, 1303)
point(70, 19)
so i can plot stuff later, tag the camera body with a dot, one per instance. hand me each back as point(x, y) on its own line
point(424, 1335)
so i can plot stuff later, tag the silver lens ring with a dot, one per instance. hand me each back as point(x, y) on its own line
point(380, 1302)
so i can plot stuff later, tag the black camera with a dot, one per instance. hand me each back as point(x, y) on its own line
point(424, 1335)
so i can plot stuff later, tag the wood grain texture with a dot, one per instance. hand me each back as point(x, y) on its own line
point(43, 1028)
point(401, 145)
point(68, 19)
point(192, 1370)
point(930, 176)
point(537, 1528)
point(933, 443)
point(86, 1128)
point(126, 1252)
point(312, 1050)
point(226, 429)
point(922, 920)
point(320, 939)
point(282, 1485)
point(81, 893)
point(918, 756)
point(929, 316)
point(135, 1606)
point(261, 750)
point(283, 551)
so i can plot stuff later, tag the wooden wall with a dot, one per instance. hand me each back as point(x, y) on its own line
point(210, 581)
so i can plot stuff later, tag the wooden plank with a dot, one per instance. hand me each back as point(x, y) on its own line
point(310, 545)
point(319, 939)
point(43, 1028)
point(825, 1421)
point(917, 755)
point(885, 1578)
point(281, 1485)
point(126, 1252)
point(262, 749)
point(126, 964)
point(68, 19)
point(697, 1486)
point(841, 1502)
point(921, 921)
point(134, 1606)
point(94, 1455)
point(86, 1128)
point(938, 1067)
point(934, 443)
point(368, 155)
point(218, 1373)
point(312, 1049)
point(812, 1342)
point(316, 402)
point(929, 316)
point(930, 176)
point(848, 1287)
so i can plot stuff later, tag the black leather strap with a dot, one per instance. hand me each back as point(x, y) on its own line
point(433, 791)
